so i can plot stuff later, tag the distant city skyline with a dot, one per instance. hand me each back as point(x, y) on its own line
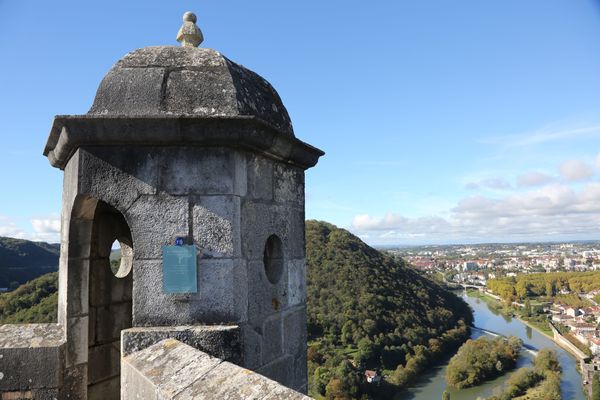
point(463, 122)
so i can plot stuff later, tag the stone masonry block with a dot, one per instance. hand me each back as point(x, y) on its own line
point(103, 362)
point(288, 184)
point(127, 89)
point(118, 176)
point(111, 320)
point(77, 280)
point(221, 296)
point(74, 383)
point(252, 348)
point(152, 307)
point(294, 331)
point(156, 221)
point(300, 373)
point(199, 171)
point(272, 337)
point(260, 178)
point(264, 298)
point(31, 356)
point(221, 341)
point(77, 335)
point(222, 290)
point(172, 370)
point(217, 226)
point(296, 283)
point(259, 221)
point(280, 370)
point(171, 365)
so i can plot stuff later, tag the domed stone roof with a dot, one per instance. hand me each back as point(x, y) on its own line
point(189, 82)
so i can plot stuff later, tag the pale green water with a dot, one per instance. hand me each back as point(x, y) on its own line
point(432, 384)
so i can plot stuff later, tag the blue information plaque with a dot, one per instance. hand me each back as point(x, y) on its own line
point(179, 269)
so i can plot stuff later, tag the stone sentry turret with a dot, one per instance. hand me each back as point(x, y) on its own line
point(181, 147)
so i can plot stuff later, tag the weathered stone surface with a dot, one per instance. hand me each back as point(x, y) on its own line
point(130, 91)
point(155, 222)
point(74, 383)
point(118, 176)
point(110, 320)
point(294, 331)
point(109, 389)
point(31, 356)
point(288, 184)
point(221, 296)
point(104, 362)
point(216, 226)
point(260, 220)
point(272, 337)
point(190, 81)
point(300, 372)
point(221, 341)
point(296, 282)
point(185, 170)
point(172, 370)
point(264, 298)
point(260, 178)
point(280, 370)
point(252, 349)
point(222, 291)
point(77, 335)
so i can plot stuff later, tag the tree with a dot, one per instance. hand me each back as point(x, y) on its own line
point(527, 308)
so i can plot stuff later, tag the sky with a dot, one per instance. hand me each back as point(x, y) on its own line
point(443, 122)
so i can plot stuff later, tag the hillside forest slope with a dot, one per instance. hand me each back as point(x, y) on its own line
point(23, 260)
point(367, 310)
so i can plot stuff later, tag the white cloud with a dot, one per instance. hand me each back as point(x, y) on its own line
point(46, 225)
point(533, 178)
point(496, 183)
point(8, 227)
point(549, 213)
point(46, 229)
point(550, 133)
point(490, 183)
point(576, 170)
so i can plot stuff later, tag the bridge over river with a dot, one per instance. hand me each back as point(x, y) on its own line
point(526, 347)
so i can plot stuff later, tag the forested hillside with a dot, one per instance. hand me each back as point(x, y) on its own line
point(367, 310)
point(34, 301)
point(23, 260)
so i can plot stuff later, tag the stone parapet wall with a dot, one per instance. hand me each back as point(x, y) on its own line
point(170, 369)
point(32, 358)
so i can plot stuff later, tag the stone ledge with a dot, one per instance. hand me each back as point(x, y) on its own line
point(170, 369)
point(70, 132)
point(31, 357)
point(221, 341)
point(31, 335)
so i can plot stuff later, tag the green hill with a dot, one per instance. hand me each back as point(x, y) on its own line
point(34, 301)
point(23, 260)
point(367, 310)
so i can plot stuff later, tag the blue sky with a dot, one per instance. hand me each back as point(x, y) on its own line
point(443, 122)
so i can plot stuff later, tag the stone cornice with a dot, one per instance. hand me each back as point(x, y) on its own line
point(69, 132)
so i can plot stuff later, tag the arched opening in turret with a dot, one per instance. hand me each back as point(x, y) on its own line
point(95, 300)
point(110, 300)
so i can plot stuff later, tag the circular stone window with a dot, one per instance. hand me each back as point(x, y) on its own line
point(121, 259)
point(273, 259)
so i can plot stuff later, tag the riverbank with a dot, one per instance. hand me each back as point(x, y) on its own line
point(432, 383)
point(498, 306)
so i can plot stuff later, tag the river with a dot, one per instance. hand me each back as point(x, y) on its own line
point(431, 384)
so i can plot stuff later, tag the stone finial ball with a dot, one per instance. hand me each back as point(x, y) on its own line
point(189, 17)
